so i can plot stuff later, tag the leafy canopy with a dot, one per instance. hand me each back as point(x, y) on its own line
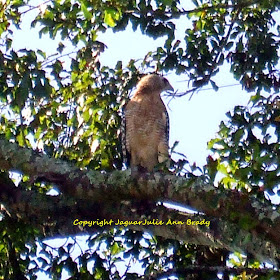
point(72, 111)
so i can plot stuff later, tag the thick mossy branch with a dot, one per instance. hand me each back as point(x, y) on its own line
point(237, 221)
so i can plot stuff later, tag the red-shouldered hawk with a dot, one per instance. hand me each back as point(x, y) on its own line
point(146, 123)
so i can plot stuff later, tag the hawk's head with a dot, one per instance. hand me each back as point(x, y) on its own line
point(153, 83)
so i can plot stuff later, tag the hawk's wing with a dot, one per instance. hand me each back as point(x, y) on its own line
point(167, 126)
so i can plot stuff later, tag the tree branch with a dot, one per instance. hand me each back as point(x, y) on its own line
point(84, 193)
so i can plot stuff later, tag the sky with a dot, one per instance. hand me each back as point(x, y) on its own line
point(193, 122)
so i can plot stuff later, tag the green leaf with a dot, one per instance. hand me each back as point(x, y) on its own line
point(21, 139)
point(41, 53)
point(212, 142)
point(167, 2)
point(229, 45)
point(85, 11)
point(222, 168)
point(214, 86)
point(111, 16)
point(115, 249)
point(238, 135)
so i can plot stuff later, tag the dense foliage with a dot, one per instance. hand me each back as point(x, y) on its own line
point(73, 111)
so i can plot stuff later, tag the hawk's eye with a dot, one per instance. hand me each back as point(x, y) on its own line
point(165, 81)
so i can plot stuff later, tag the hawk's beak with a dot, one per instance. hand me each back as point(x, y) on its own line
point(169, 88)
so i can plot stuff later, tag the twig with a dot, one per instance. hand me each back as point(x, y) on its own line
point(34, 7)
